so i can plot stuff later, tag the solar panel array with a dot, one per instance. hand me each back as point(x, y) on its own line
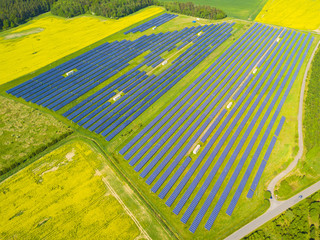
point(265, 158)
point(155, 22)
point(195, 183)
point(99, 115)
point(114, 106)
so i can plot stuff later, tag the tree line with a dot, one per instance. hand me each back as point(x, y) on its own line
point(15, 12)
point(121, 8)
point(105, 8)
point(201, 11)
point(311, 120)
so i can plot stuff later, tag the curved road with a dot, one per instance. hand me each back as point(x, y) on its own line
point(277, 207)
point(272, 213)
point(294, 163)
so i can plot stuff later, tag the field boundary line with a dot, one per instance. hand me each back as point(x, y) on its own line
point(157, 216)
point(142, 231)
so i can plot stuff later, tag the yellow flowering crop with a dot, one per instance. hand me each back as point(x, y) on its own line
point(299, 14)
point(61, 196)
point(54, 38)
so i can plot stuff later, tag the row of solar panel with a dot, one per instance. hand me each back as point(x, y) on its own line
point(184, 97)
point(60, 68)
point(170, 123)
point(214, 154)
point(130, 154)
point(64, 94)
point(201, 39)
point(170, 42)
point(155, 22)
point(193, 65)
point(83, 114)
point(167, 109)
point(268, 130)
point(194, 225)
point(186, 69)
point(45, 76)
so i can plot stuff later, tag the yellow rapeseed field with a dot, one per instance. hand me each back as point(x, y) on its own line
point(52, 38)
point(61, 196)
point(299, 14)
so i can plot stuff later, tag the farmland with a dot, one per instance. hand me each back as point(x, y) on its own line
point(298, 14)
point(63, 203)
point(196, 116)
point(247, 10)
point(48, 38)
point(55, 190)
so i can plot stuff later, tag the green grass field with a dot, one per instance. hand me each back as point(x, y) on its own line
point(24, 132)
point(246, 10)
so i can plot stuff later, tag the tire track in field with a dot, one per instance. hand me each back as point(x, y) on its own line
point(142, 231)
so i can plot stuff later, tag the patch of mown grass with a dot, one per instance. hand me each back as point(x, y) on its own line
point(25, 132)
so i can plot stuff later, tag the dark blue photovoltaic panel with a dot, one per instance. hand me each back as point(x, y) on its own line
point(205, 167)
point(169, 124)
point(277, 132)
point(258, 176)
point(270, 148)
point(250, 194)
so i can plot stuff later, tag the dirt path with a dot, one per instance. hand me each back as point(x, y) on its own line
point(142, 231)
point(294, 163)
